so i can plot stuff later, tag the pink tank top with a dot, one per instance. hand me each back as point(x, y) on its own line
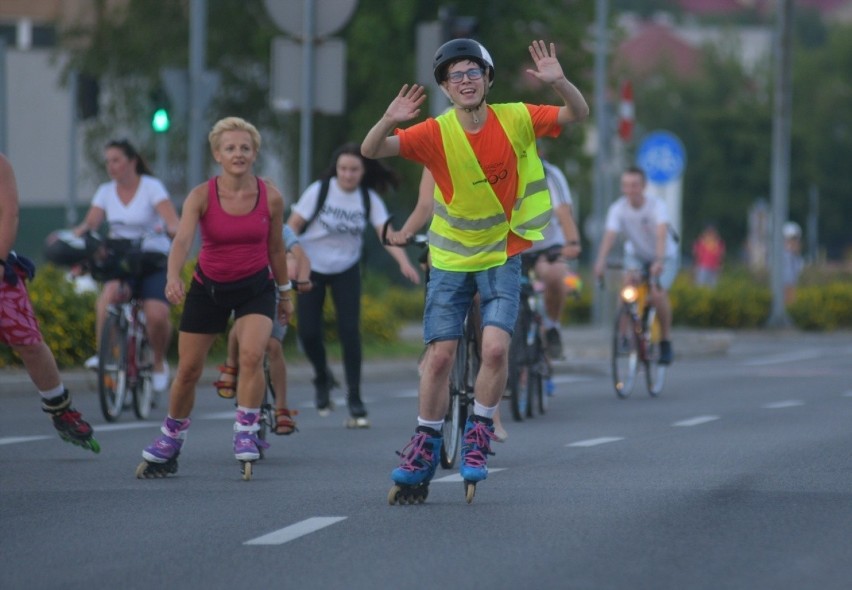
point(233, 247)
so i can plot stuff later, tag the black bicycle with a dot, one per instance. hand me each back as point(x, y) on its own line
point(465, 366)
point(529, 366)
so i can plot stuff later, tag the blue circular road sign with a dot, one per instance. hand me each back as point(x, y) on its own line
point(662, 156)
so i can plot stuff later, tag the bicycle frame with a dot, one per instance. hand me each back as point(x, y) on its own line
point(636, 337)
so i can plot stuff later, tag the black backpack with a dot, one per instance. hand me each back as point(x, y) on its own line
point(323, 196)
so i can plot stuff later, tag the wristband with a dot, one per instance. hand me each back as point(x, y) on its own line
point(572, 243)
point(285, 287)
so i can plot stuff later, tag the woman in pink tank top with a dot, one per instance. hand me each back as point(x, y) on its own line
point(242, 257)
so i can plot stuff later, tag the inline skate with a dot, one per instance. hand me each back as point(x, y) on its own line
point(69, 423)
point(160, 457)
point(248, 448)
point(420, 458)
point(476, 446)
point(323, 386)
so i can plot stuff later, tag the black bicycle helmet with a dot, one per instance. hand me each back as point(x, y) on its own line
point(457, 49)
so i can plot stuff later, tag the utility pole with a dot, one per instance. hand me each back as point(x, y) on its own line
point(781, 121)
point(602, 156)
point(197, 58)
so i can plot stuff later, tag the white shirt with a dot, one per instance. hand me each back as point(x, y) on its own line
point(560, 195)
point(139, 218)
point(639, 226)
point(334, 240)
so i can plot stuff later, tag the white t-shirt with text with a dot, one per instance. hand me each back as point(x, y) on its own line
point(560, 195)
point(334, 240)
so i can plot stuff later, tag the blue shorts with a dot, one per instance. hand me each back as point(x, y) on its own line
point(449, 295)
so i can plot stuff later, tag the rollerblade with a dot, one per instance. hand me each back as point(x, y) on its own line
point(323, 393)
point(248, 448)
point(69, 424)
point(160, 457)
point(476, 446)
point(357, 411)
point(420, 458)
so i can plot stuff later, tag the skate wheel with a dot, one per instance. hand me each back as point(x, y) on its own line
point(93, 446)
point(469, 491)
point(393, 494)
point(246, 471)
point(357, 423)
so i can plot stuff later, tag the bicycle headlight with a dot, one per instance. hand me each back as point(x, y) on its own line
point(629, 293)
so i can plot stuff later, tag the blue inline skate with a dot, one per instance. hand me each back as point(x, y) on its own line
point(420, 458)
point(160, 457)
point(476, 446)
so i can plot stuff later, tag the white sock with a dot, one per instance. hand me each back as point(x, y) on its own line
point(430, 423)
point(484, 411)
point(52, 393)
point(548, 322)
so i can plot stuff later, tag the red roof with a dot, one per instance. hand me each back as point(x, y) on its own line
point(656, 45)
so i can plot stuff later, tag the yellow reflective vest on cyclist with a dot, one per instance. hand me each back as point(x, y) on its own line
point(471, 232)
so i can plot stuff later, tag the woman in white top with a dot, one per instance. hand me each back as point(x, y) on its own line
point(333, 240)
point(136, 205)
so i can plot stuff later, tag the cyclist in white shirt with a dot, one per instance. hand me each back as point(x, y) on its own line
point(644, 222)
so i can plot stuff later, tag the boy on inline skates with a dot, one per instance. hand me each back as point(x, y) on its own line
point(491, 203)
point(19, 327)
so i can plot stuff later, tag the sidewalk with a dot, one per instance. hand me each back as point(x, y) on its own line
point(587, 350)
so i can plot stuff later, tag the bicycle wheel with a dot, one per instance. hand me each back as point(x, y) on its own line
point(453, 421)
point(112, 365)
point(143, 388)
point(625, 353)
point(655, 373)
point(517, 380)
point(539, 371)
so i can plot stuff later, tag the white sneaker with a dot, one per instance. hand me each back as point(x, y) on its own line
point(160, 380)
point(92, 363)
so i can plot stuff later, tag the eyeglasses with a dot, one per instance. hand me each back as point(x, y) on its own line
point(472, 74)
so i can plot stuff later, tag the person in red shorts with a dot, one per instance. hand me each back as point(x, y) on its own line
point(19, 327)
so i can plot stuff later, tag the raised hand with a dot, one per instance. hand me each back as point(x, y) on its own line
point(548, 69)
point(406, 105)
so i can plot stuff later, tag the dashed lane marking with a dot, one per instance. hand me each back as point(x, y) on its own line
point(593, 442)
point(848, 393)
point(294, 531)
point(456, 477)
point(696, 421)
point(778, 359)
point(790, 403)
point(570, 379)
point(12, 440)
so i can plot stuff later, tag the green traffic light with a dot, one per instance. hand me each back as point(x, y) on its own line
point(160, 122)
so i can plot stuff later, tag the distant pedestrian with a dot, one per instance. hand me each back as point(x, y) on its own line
point(792, 262)
point(708, 253)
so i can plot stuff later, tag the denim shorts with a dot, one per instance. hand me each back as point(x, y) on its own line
point(667, 277)
point(449, 295)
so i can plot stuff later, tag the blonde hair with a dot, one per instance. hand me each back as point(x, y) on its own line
point(233, 124)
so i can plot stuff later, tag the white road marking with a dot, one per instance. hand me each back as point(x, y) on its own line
point(13, 440)
point(408, 393)
point(696, 421)
point(848, 393)
point(128, 426)
point(219, 415)
point(294, 531)
point(456, 477)
point(592, 442)
point(778, 359)
point(790, 403)
point(570, 379)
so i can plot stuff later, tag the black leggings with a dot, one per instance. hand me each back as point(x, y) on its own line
point(346, 296)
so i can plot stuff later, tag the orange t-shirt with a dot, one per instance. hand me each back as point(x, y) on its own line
point(422, 143)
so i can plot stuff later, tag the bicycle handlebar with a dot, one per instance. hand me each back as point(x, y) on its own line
point(421, 240)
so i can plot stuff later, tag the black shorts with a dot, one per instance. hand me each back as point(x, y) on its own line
point(207, 311)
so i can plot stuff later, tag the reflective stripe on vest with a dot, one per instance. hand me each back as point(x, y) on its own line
point(471, 232)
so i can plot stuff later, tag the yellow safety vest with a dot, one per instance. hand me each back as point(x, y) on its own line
point(471, 232)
